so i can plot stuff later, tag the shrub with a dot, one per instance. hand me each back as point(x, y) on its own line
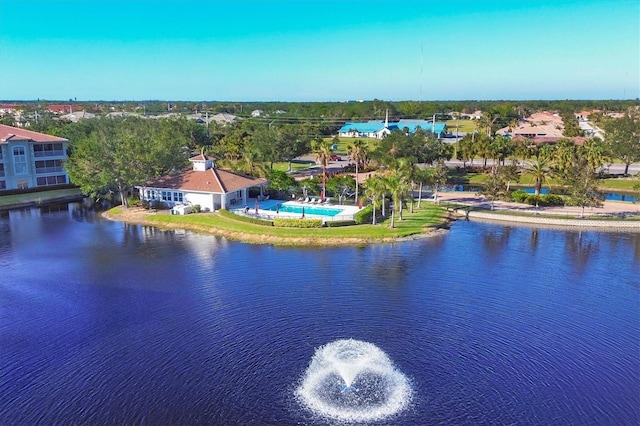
point(339, 223)
point(364, 215)
point(553, 200)
point(196, 208)
point(297, 223)
point(519, 196)
point(543, 200)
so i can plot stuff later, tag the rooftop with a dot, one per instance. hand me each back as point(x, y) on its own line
point(8, 133)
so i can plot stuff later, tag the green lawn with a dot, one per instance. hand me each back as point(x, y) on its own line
point(623, 184)
point(345, 142)
point(6, 200)
point(428, 216)
point(465, 126)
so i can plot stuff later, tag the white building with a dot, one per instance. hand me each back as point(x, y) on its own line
point(31, 159)
point(204, 185)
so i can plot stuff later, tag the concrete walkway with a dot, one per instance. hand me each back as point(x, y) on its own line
point(572, 214)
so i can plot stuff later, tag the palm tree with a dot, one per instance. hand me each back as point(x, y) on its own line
point(322, 149)
point(595, 151)
point(439, 178)
point(541, 170)
point(422, 177)
point(358, 153)
point(399, 189)
point(375, 187)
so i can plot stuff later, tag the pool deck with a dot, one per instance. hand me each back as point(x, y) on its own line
point(265, 210)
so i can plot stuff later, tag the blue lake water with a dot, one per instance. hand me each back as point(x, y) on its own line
point(609, 196)
point(106, 323)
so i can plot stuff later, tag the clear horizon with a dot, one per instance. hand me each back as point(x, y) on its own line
point(319, 51)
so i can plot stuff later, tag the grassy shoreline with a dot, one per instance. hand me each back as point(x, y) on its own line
point(427, 221)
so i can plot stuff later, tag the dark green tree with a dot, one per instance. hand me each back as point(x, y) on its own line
point(119, 154)
point(623, 138)
point(342, 186)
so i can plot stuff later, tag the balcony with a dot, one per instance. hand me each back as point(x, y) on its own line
point(56, 153)
point(43, 170)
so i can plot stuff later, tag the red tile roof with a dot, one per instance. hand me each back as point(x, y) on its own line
point(16, 133)
point(60, 108)
point(578, 140)
point(213, 180)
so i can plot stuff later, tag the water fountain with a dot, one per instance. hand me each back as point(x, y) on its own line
point(353, 381)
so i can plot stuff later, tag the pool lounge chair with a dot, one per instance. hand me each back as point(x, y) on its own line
point(326, 200)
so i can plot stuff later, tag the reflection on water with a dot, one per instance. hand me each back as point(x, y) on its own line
point(109, 323)
point(581, 246)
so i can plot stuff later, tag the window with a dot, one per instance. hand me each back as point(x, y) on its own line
point(3, 184)
point(20, 160)
point(51, 180)
point(47, 149)
point(177, 197)
point(166, 196)
point(23, 184)
point(48, 166)
point(1, 170)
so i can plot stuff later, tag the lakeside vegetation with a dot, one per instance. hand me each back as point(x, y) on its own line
point(427, 218)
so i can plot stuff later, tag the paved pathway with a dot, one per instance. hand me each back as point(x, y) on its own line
point(609, 208)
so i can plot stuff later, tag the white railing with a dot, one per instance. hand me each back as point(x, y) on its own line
point(57, 153)
point(42, 170)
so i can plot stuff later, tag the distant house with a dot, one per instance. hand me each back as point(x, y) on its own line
point(379, 129)
point(223, 118)
point(205, 185)
point(543, 127)
point(8, 108)
point(476, 115)
point(257, 113)
point(76, 116)
point(60, 109)
point(31, 159)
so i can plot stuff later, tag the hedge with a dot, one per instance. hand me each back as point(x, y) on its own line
point(339, 223)
point(297, 223)
point(365, 215)
point(543, 200)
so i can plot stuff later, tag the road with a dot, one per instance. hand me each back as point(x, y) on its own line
point(613, 169)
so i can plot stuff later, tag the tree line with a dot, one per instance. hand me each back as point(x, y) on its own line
point(115, 154)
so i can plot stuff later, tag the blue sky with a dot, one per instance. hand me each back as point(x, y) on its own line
point(328, 50)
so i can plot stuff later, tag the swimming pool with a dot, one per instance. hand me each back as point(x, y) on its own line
point(308, 209)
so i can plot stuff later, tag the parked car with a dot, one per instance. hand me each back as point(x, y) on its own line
point(335, 157)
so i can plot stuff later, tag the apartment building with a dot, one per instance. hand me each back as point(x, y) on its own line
point(30, 159)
